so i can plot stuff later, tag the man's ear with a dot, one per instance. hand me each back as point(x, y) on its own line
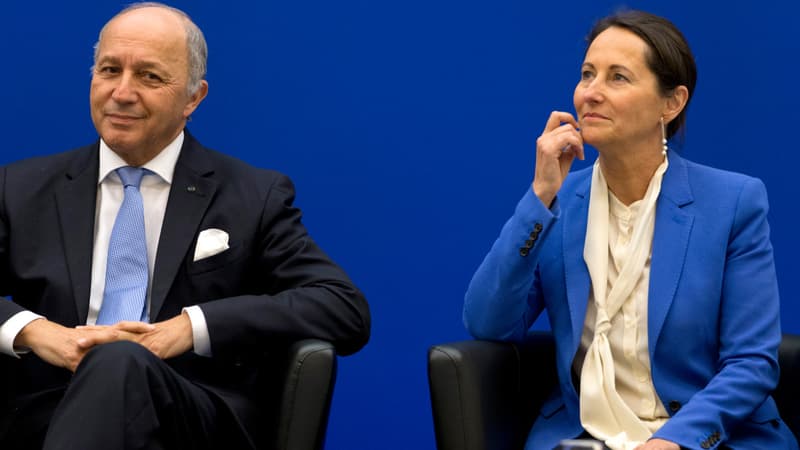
point(196, 98)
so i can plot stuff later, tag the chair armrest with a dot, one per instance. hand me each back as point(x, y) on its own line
point(485, 395)
point(309, 378)
point(788, 391)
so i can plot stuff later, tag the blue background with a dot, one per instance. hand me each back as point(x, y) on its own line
point(408, 127)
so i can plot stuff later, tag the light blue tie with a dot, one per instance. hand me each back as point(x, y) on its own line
point(125, 295)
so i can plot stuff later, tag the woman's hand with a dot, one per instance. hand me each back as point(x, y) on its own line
point(659, 444)
point(556, 148)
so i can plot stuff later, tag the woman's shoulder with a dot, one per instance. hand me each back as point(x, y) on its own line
point(712, 189)
point(704, 177)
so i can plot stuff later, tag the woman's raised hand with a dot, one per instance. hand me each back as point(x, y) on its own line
point(559, 145)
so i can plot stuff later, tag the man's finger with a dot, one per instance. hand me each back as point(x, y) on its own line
point(135, 327)
point(91, 327)
point(92, 337)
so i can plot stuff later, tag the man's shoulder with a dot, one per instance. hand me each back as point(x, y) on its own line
point(61, 157)
point(43, 167)
point(229, 169)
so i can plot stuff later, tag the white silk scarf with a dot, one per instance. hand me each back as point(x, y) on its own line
point(604, 414)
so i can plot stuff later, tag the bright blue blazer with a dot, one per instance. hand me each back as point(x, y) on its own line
point(713, 306)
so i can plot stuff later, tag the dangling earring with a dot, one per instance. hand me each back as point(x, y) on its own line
point(664, 147)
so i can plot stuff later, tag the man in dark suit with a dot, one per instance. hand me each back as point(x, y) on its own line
point(229, 269)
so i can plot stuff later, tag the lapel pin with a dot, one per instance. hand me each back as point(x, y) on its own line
point(191, 188)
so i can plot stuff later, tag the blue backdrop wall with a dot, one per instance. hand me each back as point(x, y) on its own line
point(409, 129)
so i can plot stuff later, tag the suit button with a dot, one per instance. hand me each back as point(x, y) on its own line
point(523, 251)
point(538, 227)
point(529, 243)
point(674, 406)
point(705, 444)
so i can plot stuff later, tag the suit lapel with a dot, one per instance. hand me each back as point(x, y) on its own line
point(190, 195)
point(575, 218)
point(670, 243)
point(76, 200)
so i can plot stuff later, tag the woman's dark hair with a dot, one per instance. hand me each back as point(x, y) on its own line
point(669, 56)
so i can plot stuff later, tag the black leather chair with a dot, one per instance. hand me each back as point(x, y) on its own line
point(298, 393)
point(485, 395)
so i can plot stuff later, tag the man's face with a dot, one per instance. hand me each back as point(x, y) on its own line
point(139, 95)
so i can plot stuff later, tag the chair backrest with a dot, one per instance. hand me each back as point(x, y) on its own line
point(482, 396)
point(787, 394)
point(298, 393)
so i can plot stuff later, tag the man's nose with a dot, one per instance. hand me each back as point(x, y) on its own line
point(125, 90)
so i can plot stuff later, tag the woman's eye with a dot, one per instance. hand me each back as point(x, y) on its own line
point(586, 74)
point(619, 77)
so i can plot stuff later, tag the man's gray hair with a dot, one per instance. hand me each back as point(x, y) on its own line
point(195, 42)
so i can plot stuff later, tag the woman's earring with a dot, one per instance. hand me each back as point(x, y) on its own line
point(663, 137)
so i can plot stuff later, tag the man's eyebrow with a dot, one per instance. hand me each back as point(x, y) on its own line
point(139, 65)
point(107, 59)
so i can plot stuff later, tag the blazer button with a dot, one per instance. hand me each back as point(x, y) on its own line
point(538, 227)
point(523, 251)
point(705, 444)
point(674, 406)
point(529, 243)
point(534, 235)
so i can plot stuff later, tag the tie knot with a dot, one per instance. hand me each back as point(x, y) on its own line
point(131, 176)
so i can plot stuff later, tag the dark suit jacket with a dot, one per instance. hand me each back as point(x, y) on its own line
point(272, 286)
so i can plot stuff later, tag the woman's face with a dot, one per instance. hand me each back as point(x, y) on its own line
point(617, 99)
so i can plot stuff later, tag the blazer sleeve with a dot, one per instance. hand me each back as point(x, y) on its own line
point(7, 308)
point(306, 294)
point(749, 332)
point(504, 297)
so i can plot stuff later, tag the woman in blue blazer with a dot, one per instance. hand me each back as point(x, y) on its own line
point(657, 273)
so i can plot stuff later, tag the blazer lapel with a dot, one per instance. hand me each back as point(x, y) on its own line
point(670, 243)
point(190, 195)
point(576, 274)
point(76, 200)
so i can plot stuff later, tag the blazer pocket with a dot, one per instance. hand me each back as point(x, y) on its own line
point(222, 259)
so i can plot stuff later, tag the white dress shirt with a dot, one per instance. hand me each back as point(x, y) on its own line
point(155, 189)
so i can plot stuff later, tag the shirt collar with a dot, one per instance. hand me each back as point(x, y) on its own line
point(162, 165)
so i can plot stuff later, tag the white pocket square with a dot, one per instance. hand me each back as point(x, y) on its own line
point(210, 242)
